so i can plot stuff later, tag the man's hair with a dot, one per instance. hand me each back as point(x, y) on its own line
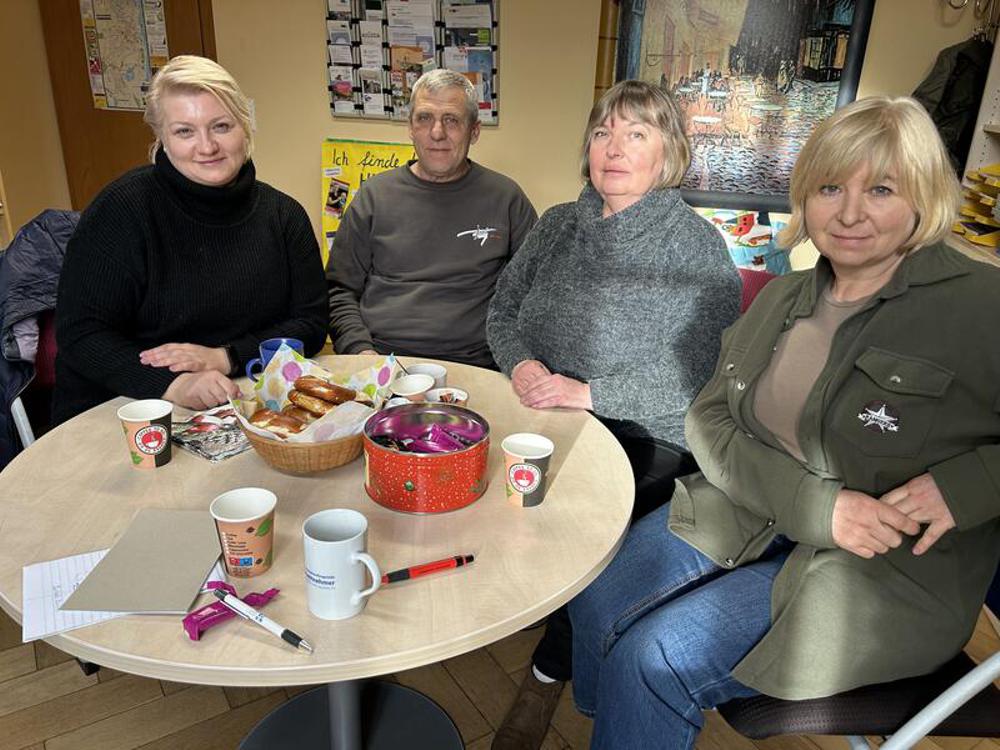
point(442, 78)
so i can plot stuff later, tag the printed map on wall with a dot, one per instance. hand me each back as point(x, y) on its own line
point(126, 43)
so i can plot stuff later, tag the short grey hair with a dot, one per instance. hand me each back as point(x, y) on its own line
point(442, 78)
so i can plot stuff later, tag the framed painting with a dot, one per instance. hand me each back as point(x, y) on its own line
point(752, 79)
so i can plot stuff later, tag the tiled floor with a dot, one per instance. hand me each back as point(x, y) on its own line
point(46, 703)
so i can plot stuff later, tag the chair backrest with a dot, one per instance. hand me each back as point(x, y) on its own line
point(753, 282)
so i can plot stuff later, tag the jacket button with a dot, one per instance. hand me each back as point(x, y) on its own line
point(730, 562)
point(895, 379)
point(740, 385)
point(750, 435)
point(730, 367)
point(770, 522)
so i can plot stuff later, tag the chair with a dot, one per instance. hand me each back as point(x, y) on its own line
point(44, 380)
point(753, 282)
point(958, 700)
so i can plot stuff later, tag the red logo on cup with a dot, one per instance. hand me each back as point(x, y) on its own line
point(151, 439)
point(524, 478)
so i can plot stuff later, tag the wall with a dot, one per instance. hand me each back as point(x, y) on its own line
point(30, 153)
point(548, 53)
point(903, 43)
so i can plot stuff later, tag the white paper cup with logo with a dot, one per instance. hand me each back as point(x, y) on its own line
point(244, 520)
point(412, 387)
point(438, 372)
point(146, 424)
point(526, 465)
point(336, 563)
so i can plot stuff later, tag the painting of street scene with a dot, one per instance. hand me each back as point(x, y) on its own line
point(752, 78)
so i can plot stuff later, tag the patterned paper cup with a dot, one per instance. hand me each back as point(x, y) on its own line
point(526, 465)
point(146, 425)
point(244, 519)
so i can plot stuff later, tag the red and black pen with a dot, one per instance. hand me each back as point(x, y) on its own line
point(416, 571)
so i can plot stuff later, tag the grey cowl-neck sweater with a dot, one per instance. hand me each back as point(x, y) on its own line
point(633, 304)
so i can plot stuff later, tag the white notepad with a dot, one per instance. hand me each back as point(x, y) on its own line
point(45, 586)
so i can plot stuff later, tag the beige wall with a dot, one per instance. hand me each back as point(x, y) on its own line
point(277, 53)
point(31, 158)
point(548, 53)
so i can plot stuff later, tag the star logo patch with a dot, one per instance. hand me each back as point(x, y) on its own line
point(878, 416)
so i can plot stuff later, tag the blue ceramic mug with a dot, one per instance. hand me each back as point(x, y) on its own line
point(267, 349)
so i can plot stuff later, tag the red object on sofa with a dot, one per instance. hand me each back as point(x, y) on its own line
point(753, 282)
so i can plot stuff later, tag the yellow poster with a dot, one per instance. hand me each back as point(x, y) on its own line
point(347, 164)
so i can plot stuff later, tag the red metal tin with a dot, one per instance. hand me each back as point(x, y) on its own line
point(426, 482)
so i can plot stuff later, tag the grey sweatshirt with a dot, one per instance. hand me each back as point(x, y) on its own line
point(634, 304)
point(414, 263)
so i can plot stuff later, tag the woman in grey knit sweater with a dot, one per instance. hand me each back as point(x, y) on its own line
point(615, 304)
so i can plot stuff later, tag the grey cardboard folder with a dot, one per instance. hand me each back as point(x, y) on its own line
point(158, 565)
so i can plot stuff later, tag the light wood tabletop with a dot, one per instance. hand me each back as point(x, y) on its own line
point(75, 491)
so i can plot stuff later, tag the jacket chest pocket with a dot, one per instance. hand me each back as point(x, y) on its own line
point(889, 403)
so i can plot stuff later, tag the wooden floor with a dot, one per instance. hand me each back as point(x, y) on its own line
point(46, 703)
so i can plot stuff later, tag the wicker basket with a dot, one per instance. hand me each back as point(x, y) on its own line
point(306, 458)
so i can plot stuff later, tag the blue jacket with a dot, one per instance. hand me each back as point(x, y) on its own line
point(29, 276)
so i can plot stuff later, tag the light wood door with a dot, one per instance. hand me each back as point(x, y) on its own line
point(99, 144)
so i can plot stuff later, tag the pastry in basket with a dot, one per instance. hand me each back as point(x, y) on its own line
point(280, 424)
point(322, 389)
point(299, 413)
point(317, 406)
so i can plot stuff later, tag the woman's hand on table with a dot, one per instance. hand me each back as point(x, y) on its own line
point(526, 372)
point(550, 391)
point(201, 390)
point(187, 358)
point(921, 500)
point(868, 527)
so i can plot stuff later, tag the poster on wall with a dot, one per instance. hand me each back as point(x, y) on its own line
point(126, 43)
point(346, 165)
point(752, 79)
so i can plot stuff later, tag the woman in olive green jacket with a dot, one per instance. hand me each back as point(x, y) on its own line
point(847, 523)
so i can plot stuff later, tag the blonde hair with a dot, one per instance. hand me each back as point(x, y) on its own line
point(892, 136)
point(651, 105)
point(190, 74)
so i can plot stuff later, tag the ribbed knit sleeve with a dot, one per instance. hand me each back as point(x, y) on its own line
point(307, 302)
point(101, 286)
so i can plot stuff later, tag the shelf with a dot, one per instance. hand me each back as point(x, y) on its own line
point(972, 250)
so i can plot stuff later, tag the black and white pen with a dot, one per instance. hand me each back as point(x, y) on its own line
point(247, 612)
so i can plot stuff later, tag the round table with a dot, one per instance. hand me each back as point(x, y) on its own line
point(75, 491)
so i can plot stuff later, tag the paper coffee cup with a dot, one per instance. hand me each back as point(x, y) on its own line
point(526, 465)
point(244, 520)
point(146, 425)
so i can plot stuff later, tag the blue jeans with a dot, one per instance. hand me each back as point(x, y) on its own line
point(657, 634)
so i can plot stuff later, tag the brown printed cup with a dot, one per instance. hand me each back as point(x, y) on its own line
point(526, 466)
point(244, 520)
point(146, 425)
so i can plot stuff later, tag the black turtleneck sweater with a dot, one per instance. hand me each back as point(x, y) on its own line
point(159, 259)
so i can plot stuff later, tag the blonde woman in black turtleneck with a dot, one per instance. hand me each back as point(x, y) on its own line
point(180, 268)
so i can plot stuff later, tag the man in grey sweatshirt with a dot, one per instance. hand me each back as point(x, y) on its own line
point(416, 258)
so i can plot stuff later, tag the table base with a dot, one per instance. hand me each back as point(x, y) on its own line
point(369, 716)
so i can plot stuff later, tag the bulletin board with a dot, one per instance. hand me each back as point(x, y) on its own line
point(377, 49)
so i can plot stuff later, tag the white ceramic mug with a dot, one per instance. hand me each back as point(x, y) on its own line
point(335, 557)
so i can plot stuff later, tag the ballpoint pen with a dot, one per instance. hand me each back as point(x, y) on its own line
point(416, 571)
point(247, 612)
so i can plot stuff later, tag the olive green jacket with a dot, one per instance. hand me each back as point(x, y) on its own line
point(912, 385)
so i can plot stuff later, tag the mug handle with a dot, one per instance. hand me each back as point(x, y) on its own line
point(251, 364)
point(364, 557)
